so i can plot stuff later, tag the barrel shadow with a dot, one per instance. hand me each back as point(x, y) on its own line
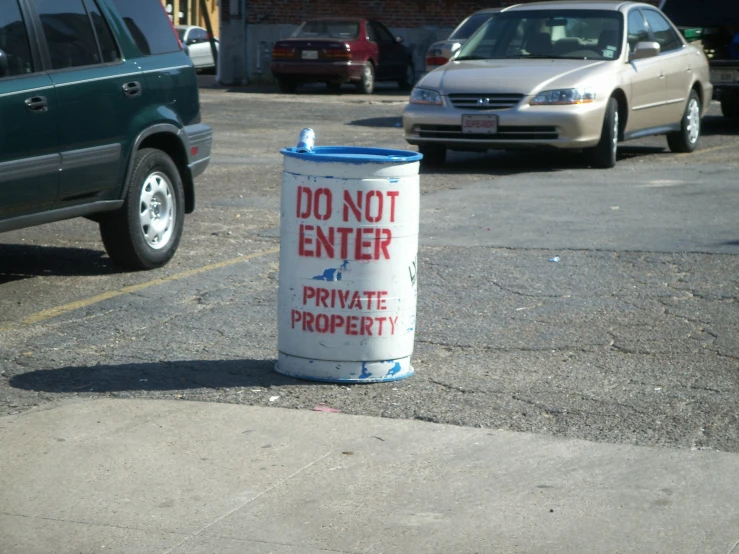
point(158, 376)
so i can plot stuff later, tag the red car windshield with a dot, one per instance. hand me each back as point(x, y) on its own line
point(347, 30)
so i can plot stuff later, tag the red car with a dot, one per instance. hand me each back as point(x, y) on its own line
point(342, 50)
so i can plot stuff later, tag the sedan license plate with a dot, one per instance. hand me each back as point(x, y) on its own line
point(480, 124)
point(310, 54)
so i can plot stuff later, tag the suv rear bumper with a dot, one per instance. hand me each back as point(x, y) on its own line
point(198, 140)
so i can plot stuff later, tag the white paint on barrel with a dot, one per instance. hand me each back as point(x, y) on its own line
point(348, 249)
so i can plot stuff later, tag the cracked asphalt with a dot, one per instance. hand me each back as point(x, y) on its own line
point(631, 337)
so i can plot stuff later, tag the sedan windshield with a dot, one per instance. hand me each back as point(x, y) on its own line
point(328, 29)
point(469, 26)
point(568, 34)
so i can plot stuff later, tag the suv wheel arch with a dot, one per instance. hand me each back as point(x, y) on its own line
point(171, 140)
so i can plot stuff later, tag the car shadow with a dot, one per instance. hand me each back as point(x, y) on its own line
point(313, 89)
point(157, 376)
point(719, 125)
point(20, 261)
point(378, 122)
point(512, 162)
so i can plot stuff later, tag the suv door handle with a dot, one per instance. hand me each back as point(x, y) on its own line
point(37, 104)
point(132, 89)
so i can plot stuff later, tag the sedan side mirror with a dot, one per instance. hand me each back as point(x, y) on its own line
point(399, 40)
point(4, 66)
point(645, 50)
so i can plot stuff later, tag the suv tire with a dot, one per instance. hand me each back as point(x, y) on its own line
point(686, 139)
point(145, 232)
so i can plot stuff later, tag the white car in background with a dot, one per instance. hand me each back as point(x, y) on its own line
point(197, 45)
point(440, 52)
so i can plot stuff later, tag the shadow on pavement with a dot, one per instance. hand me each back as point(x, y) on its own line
point(25, 261)
point(315, 89)
point(157, 376)
point(378, 122)
point(719, 125)
point(502, 162)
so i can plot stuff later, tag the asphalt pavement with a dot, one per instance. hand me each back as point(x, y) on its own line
point(576, 385)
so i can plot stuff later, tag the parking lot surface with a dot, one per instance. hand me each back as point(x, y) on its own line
point(631, 337)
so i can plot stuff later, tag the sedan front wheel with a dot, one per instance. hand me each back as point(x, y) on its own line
point(603, 155)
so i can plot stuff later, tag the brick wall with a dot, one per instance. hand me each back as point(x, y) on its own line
point(393, 13)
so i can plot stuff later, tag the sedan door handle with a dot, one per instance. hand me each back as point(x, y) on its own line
point(37, 104)
point(132, 89)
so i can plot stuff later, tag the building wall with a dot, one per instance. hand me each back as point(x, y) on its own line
point(393, 13)
point(249, 28)
point(190, 12)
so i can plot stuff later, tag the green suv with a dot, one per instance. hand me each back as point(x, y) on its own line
point(99, 117)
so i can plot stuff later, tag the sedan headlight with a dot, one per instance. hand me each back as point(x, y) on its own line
point(425, 96)
point(564, 96)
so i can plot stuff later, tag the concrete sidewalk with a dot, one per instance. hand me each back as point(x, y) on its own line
point(145, 476)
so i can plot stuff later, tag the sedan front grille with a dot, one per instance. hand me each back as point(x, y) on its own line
point(477, 101)
point(505, 132)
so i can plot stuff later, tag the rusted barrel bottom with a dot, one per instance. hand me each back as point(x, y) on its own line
point(344, 372)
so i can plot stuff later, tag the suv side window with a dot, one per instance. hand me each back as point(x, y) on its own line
point(108, 47)
point(68, 32)
point(637, 29)
point(662, 31)
point(149, 26)
point(14, 40)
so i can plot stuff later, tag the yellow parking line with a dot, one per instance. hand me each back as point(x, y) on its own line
point(65, 308)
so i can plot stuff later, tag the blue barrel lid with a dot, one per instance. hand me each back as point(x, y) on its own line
point(353, 155)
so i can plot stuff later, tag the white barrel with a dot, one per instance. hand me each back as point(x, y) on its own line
point(348, 250)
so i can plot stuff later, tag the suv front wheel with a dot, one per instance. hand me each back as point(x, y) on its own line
point(145, 232)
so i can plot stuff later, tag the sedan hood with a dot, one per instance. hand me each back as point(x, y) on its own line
point(519, 76)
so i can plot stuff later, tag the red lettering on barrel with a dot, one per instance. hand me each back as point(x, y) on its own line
point(322, 323)
point(322, 297)
point(337, 321)
point(366, 327)
point(308, 318)
point(377, 216)
point(360, 245)
point(318, 195)
point(324, 242)
point(350, 205)
point(303, 212)
point(305, 241)
point(382, 244)
point(344, 232)
point(296, 316)
point(351, 325)
point(308, 292)
point(392, 194)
